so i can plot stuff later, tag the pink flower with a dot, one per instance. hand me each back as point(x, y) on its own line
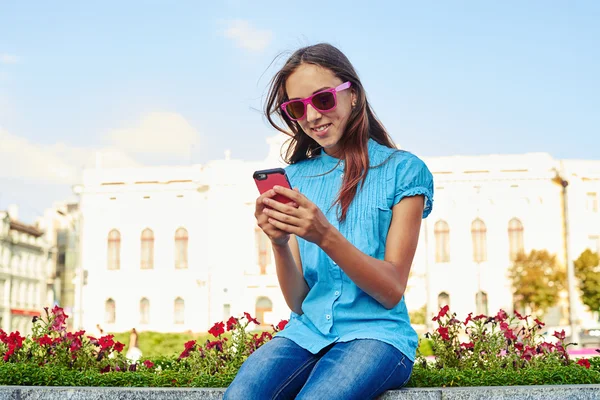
point(559, 335)
point(148, 364)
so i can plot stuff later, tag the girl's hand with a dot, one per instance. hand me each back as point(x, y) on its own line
point(277, 236)
point(306, 220)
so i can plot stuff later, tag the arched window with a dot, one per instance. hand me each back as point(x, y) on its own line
point(263, 250)
point(481, 303)
point(181, 248)
point(443, 300)
point(179, 308)
point(110, 310)
point(114, 249)
point(442, 242)
point(144, 311)
point(478, 234)
point(263, 305)
point(515, 238)
point(147, 249)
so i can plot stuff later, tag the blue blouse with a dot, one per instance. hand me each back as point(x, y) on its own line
point(335, 309)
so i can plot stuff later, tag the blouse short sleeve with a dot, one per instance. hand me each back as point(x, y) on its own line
point(412, 178)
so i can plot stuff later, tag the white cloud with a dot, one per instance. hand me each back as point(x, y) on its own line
point(246, 36)
point(163, 134)
point(157, 137)
point(8, 59)
point(55, 164)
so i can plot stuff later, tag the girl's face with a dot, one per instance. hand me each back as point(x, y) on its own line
point(326, 128)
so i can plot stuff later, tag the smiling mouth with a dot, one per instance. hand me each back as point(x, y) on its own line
point(321, 128)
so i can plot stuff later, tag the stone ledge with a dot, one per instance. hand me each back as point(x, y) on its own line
point(558, 392)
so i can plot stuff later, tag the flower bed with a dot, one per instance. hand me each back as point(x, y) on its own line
point(498, 350)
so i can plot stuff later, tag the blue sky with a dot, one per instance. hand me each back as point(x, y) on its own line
point(159, 82)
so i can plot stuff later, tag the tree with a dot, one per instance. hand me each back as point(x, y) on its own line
point(536, 281)
point(587, 271)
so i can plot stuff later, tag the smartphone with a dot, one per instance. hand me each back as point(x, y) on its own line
point(266, 179)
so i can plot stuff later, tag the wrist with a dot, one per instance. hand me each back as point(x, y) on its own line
point(328, 238)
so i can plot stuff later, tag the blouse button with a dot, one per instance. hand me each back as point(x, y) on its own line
point(328, 317)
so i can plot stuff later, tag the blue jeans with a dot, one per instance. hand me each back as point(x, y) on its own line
point(359, 369)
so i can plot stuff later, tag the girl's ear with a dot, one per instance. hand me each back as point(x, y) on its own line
point(354, 98)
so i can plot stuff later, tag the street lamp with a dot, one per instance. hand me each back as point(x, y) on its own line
point(558, 179)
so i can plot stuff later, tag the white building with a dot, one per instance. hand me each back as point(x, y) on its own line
point(26, 272)
point(177, 248)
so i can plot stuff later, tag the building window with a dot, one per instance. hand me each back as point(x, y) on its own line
point(110, 311)
point(481, 303)
point(179, 311)
point(515, 238)
point(144, 311)
point(592, 202)
point(478, 234)
point(114, 249)
point(263, 250)
point(147, 249)
point(442, 242)
point(443, 300)
point(594, 243)
point(263, 305)
point(181, 248)
point(226, 311)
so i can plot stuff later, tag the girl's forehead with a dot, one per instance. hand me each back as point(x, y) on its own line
point(307, 78)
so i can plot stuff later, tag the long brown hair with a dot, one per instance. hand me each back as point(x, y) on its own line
point(361, 125)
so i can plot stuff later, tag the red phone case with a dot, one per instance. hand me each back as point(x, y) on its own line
point(273, 177)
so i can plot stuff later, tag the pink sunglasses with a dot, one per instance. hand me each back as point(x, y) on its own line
point(323, 101)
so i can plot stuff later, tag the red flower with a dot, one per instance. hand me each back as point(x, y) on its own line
point(231, 323)
point(106, 342)
point(3, 336)
point(480, 316)
point(217, 329)
point(44, 340)
point(522, 318)
point(469, 318)
point(189, 347)
point(148, 364)
point(442, 313)
point(281, 325)
point(443, 333)
point(119, 347)
point(216, 344)
point(539, 323)
point(250, 319)
point(14, 341)
point(584, 362)
point(469, 345)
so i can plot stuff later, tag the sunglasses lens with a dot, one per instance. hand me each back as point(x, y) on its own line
point(324, 101)
point(295, 109)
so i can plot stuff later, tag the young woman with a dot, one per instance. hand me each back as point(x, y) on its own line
point(344, 249)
